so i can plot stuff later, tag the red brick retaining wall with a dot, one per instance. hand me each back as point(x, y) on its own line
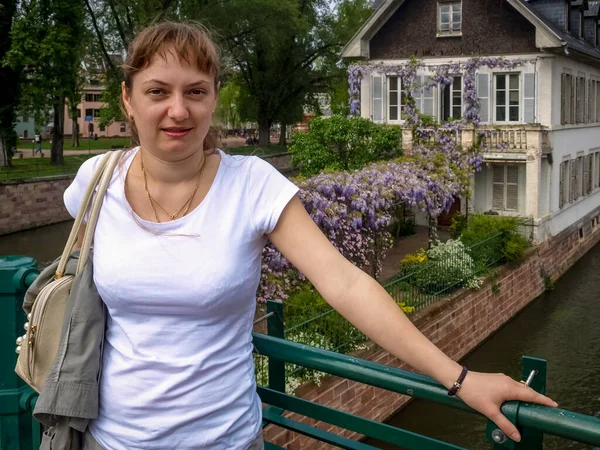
point(457, 325)
point(33, 203)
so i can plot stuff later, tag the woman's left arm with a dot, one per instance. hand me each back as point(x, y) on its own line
point(366, 304)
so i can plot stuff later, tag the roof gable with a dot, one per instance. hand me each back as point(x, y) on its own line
point(549, 36)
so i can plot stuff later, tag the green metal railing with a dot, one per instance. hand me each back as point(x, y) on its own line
point(19, 431)
point(533, 421)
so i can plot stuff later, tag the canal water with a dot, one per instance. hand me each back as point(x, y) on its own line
point(561, 326)
point(44, 243)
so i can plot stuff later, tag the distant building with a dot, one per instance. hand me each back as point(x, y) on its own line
point(25, 127)
point(88, 111)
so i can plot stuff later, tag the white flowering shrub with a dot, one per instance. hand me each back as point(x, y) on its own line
point(448, 267)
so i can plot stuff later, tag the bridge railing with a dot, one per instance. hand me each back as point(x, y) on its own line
point(19, 431)
point(532, 420)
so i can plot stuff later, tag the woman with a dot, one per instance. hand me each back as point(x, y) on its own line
point(177, 262)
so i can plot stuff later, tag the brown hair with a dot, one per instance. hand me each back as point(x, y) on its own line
point(191, 43)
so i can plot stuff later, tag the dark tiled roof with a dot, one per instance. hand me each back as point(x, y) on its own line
point(573, 42)
point(593, 10)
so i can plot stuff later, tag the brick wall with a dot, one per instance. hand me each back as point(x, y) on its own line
point(456, 325)
point(32, 204)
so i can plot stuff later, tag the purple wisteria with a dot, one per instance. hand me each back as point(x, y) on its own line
point(355, 211)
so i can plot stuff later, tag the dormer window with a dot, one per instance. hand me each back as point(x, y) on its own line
point(568, 16)
point(580, 24)
point(449, 18)
point(596, 40)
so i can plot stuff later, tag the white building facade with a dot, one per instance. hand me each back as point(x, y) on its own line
point(544, 114)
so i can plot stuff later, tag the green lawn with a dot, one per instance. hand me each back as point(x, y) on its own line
point(27, 168)
point(84, 144)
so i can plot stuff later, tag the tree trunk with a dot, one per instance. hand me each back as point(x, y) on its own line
point(264, 132)
point(4, 162)
point(58, 134)
point(282, 140)
point(264, 128)
point(75, 132)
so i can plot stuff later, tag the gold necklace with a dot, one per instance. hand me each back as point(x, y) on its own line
point(186, 206)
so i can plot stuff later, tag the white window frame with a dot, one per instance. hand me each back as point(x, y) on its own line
point(453, 7)
point(507, 104)
point(401, 97)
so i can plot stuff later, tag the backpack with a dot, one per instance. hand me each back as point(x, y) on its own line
point(38, 348)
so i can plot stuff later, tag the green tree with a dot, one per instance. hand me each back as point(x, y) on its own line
point(48, 38)
point(229, 103)
point(9, 80)
point(283, 52)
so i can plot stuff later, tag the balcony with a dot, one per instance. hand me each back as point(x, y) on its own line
point(510, 140)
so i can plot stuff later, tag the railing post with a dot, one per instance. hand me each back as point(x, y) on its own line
point(275, 328)
point(530, 439)
point(16, 422)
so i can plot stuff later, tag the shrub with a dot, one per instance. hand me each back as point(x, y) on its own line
point(443, 268)
point(342, 143)
point(458, 225)
point(510, 245)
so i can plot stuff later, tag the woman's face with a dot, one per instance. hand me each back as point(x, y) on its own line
point(172, 105)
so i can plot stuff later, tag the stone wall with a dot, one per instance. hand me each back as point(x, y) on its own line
point(32, 203)
point(35, 203)
point(457, 325)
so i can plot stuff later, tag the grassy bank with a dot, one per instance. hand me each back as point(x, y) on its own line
point(27, 168)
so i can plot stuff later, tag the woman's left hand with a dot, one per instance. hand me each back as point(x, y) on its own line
point(486, 392)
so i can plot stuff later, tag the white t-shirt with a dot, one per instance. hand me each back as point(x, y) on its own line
point(178, 371)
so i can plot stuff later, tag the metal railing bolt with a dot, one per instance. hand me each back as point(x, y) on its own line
point(498, 436)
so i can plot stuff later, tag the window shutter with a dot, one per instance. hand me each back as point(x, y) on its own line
point(512, 188)
point(572, 170)
point(588, 102)
point(597, 179)
point(588, 178)
point(529, 97)
point(573, 99)
point(498, 188)
point(428, 101)
point(561, 186)
point(417, 92)
point(377, 95)
point(563, 103)
point(483, 94)
point(585, 176)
